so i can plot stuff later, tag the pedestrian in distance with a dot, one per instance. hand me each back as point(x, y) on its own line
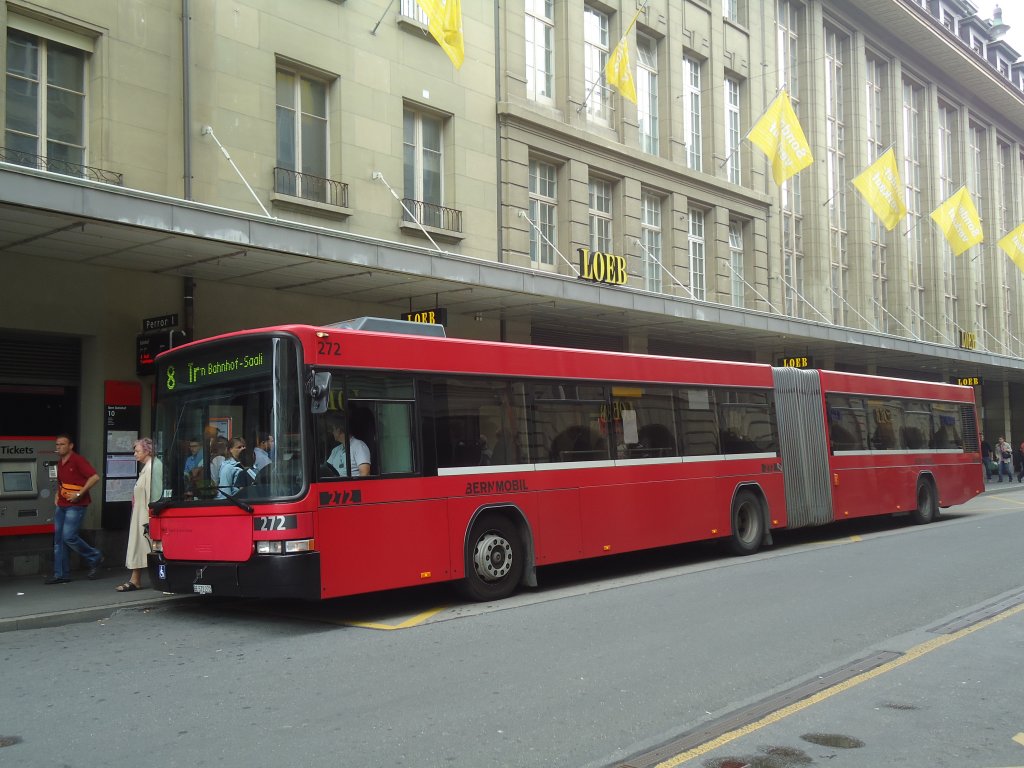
point(138, 529)
point(75, 476)
point(987, 460)
point(1004, 455)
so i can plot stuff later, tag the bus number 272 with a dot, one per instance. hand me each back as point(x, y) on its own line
point(275, 523)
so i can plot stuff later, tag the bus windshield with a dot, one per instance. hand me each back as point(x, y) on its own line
point(228, 422)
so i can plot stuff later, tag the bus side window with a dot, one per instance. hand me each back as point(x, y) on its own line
point(698, 416)
point(364, 427)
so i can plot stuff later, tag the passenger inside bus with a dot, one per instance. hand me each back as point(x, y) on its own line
point(577, 443)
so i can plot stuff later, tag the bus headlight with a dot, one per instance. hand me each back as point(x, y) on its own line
point(278, 547)
point(157, 546)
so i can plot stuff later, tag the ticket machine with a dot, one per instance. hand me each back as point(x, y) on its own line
point(28, 485)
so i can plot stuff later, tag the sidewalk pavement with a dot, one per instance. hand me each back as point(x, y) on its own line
point(27, 603)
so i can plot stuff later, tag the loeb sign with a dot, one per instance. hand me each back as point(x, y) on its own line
point(602, 267)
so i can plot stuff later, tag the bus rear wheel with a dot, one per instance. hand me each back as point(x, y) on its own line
point(494, 559)
point(747, 524)
point(927, 506)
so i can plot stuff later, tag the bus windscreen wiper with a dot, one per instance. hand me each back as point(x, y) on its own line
point(235, 500)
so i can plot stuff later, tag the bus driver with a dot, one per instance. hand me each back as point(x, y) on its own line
point(338, 424)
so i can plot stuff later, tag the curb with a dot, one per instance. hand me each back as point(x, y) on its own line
point(80, 615)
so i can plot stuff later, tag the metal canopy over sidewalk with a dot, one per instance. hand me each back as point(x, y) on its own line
point(46, 216)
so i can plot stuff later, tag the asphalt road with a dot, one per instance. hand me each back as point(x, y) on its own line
point(605, 662)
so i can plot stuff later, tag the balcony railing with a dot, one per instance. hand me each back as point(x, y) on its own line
point(309, 187)
point(431, 215)
point(17, 157)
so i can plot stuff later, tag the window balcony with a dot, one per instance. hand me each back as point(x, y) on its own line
point(63, 167)
point(312, 188)
point(432, 216)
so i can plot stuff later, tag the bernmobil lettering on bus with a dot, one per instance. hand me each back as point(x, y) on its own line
point(495, 486)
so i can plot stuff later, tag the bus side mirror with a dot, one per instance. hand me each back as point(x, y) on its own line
point(319, 388)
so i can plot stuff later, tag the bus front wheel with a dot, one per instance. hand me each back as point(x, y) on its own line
point(747, 524)
point(494, 559)
point(927, 506)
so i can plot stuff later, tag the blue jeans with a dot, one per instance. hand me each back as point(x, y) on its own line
point(66, 522)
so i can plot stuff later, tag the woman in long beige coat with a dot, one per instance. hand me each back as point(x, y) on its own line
point(138, 543)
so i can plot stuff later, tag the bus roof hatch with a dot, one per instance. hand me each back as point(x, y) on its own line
point(388, 325)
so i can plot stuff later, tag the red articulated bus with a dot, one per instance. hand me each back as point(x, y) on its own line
point(339, 460)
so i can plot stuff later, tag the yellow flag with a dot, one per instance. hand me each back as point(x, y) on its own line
point(881, 186)
point(618, 71)
point(958, 219)
point(1013, 244)
point(444, 20)
point(778, 134)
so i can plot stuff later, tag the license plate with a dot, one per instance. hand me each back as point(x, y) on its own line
point(202, 589)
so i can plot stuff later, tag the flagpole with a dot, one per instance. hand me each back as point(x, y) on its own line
point(942, 335)
point(665, 269)
point(378, 176)
point(913, 335)
point(804, 300)
point(854, 309)
point(752, 288)
point(524, 215)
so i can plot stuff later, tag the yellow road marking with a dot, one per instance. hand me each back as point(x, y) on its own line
point(855, 538)
point(914, 653)
point(417, 619)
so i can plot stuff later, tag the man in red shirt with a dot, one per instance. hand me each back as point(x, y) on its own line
point(75, 476)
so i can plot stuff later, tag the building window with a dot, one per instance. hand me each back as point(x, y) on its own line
point(595, 55)
point(540, 50)
point(875, 81)
point(696, 244)
point(543, 212)
point(1008, 273)
point(411, 9)
point(736, 280)
point(45, 116)
point(647, 92)
point(735, 11)
point(301, 135)
point(732, 130)
point(423, 164)
point(790, 16)
point(912, 98)
point(691, 113)
point(600, 215)
point(977, 156)
point(948, 184)
point(650, 236)
point(835, 138)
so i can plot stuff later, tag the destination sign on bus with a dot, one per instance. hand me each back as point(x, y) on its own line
point(216, 365)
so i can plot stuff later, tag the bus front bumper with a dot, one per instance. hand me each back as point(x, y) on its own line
point(294, 576)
